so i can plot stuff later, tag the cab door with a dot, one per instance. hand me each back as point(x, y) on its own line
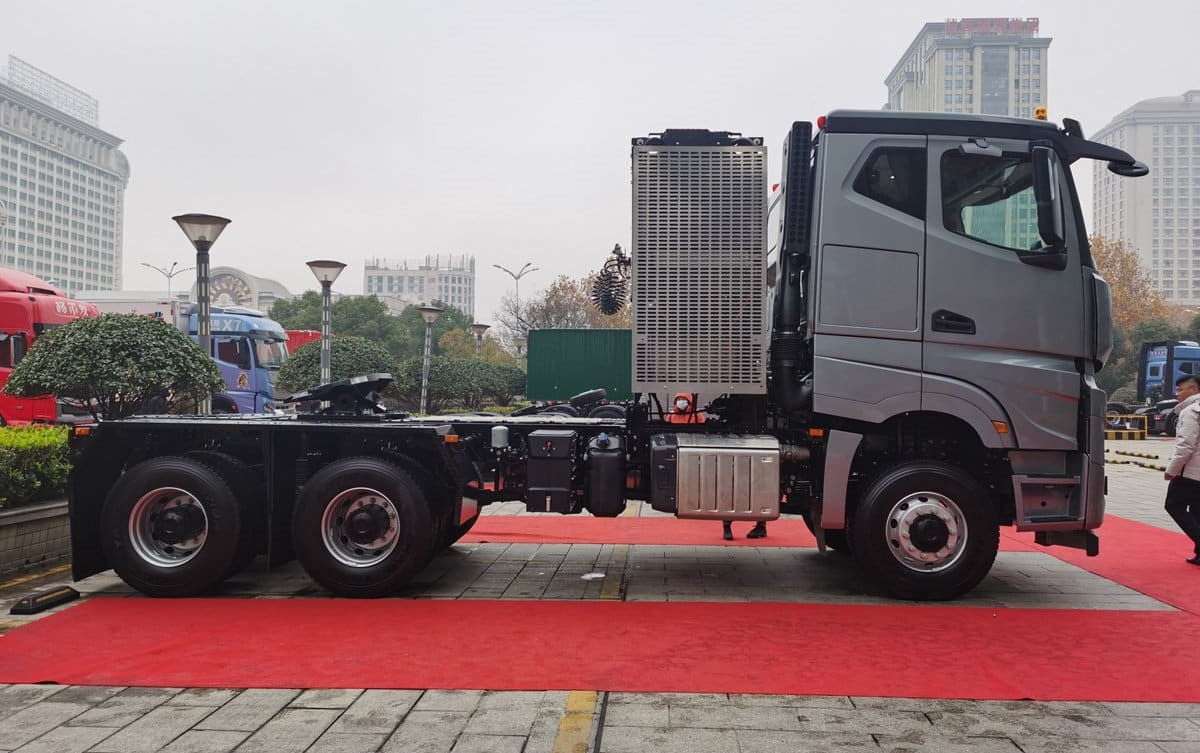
point(997, 317)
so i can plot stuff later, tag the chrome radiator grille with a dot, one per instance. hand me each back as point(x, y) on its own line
point(698, 263)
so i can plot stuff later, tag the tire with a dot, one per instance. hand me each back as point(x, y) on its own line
point(458, 532)
point(246, 489)
point(1171, 422)
point(953, 531)
point(838, 541)
point(1113, 419)
point(607, 411)
point(398, 520)
point(170, 526)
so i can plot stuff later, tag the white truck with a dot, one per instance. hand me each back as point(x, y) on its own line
point(912, 370)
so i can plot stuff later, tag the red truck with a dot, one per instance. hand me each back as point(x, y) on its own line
point(298, 337)
point(29, 307)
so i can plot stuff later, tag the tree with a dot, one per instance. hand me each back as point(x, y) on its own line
point(564, 305)
point(1134, 299)
point(349, 356)
point(299, 313)
point(115, 363)
point(412, 328)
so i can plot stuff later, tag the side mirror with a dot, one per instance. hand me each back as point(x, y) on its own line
point(1049, 202)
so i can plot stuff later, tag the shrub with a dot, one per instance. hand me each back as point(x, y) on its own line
point(349, 356)
point(115, 364)
point(33, 463)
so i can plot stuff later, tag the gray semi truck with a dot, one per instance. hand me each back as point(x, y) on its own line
point(909, 367)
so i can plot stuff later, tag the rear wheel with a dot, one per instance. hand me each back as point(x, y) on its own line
point(245, 487)
point(362, 527)
point(926, 531)
point(171, 527)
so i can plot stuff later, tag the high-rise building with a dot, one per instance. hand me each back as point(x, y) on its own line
point(1158, 215)
point(994, 66)
point(62, 181)
point(407, 282)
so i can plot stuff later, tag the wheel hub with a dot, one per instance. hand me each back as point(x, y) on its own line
point(366, 524)
point(927, 531)
point(167, 526)
point(177, 524)
point(360, 527)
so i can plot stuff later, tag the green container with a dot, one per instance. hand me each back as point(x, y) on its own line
point(566, 362)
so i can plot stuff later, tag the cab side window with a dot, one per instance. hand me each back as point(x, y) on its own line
point(234, 351)
point(990, 199)
point(895, 176)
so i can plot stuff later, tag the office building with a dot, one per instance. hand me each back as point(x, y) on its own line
point(446, 278)
point(1158, 215)
point(994, 66)
point(62, 183)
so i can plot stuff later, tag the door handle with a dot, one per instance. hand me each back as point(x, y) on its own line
point(948, 321)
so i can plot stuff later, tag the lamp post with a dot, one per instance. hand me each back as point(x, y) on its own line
point(202, 230)
point(326, 272)
point(520, 344)
point(517, 279)
point(478, 330)
point(168, 273)
point(430, 315)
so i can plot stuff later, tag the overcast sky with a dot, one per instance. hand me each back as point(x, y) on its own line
point(352, 130)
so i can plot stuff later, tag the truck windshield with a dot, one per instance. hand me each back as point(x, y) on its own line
point(270, 353)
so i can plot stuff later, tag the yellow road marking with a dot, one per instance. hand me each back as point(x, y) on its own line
point(611, 590)
point(35, 576)
point(575, 729)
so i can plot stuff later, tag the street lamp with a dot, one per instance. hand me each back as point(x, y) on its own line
point(478, 330)
point(517, 279)
point(520, 343)
point(326, 272)
point(168, 273)
point(202, 230)
point(430, 315)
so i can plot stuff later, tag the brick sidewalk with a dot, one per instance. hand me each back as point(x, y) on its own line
point(133, 720)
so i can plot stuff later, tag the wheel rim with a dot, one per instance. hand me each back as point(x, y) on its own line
point(168, 526)
point(926, 532)
point(360, 527)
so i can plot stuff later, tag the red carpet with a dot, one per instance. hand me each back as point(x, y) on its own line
point(638, 646)
point(582, 529)
point(652, 647)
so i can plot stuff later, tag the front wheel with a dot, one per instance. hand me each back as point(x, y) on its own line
point(362, 527)
point(926, 531)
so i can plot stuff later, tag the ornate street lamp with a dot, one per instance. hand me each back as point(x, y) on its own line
point(326, 272)
point(430, 315)
point(202, 230)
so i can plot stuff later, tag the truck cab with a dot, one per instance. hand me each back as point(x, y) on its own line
point(249, 350)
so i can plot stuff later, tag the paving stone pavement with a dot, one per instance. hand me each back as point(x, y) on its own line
point(36, 718)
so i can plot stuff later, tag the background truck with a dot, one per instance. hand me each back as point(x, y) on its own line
point(29, 307)
point(1162, 363)
point(913, 368)
point(298, 337)
point(247, 347)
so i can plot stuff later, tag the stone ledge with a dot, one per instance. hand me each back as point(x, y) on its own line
point(32, 536)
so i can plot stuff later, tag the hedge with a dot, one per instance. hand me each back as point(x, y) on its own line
point(33, 464)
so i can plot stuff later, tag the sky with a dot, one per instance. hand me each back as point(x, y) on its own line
point(356, 130)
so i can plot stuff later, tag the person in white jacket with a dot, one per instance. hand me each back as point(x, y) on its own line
point(1183, 469)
